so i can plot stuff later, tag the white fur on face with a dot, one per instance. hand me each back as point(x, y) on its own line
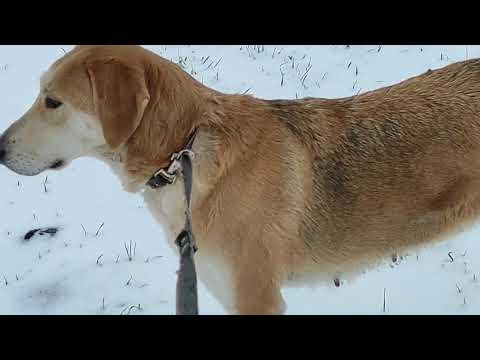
point(44, 137)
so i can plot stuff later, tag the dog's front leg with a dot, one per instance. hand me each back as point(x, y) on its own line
point(257, 290)
point(256, 296)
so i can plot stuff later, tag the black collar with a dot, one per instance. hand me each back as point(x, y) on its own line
point(168, 174)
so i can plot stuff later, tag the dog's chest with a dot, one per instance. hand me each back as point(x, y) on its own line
point(168, 206)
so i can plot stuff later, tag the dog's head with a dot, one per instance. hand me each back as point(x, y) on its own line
point(95, 96)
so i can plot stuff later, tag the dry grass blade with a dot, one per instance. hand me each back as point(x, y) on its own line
point(100, 228)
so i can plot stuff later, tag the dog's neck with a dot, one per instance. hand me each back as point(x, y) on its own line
point(116, 160)
point(135, 173)
point(221, 140)
point(178, 105)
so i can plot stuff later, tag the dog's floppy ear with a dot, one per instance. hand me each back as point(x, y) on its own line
point(120, 97)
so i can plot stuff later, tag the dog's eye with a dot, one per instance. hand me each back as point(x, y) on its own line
point(52, 104)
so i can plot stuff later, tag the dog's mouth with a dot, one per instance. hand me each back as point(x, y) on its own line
point(27, 165)
point(57, 165)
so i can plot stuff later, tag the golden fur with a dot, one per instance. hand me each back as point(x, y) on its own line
point(285, 191)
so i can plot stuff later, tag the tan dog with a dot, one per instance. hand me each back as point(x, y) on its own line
point(285, 192)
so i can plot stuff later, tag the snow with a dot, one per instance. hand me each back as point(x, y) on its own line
point(85, 268)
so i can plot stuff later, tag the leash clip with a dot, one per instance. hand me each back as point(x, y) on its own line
point(177, 156)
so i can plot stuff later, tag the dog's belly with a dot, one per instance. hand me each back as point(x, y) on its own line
point(168, 207)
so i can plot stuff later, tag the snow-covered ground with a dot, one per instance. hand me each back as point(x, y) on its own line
point(85, 268)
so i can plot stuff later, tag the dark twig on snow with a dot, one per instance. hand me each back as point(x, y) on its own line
point(85, 231)
point(130, 308)
point(384, 300)
point(304, 77)
point(100, 228)
point(218, 62)
point(128, 249)
point(458, 289)
point(152, 258)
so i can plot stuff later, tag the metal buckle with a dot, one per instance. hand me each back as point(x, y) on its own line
point(176, 163)
point(169, 178)
point(187, 152)
point(170, 175)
